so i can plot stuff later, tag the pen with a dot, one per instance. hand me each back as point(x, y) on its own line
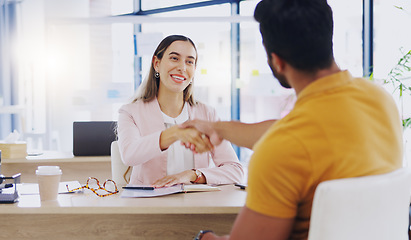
point(139, 187)
point(242, 186)
point(6, 185)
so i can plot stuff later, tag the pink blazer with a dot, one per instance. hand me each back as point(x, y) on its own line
point(139, 128)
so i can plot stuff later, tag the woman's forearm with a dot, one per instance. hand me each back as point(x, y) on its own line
point(168, 137)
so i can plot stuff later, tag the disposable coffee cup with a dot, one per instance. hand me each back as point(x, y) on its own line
point(48, 178)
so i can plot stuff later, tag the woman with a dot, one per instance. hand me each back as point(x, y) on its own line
point(148, 134)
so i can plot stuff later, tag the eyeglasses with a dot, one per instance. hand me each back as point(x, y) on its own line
point(94, 185)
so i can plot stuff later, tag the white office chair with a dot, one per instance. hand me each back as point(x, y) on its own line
point(364, 208)
point(117, 166)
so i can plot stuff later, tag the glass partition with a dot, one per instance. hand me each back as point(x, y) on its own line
point(78, 69)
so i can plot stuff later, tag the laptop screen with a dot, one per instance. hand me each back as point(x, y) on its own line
point(93, 138)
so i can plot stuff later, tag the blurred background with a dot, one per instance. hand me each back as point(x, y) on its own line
point(79, 60)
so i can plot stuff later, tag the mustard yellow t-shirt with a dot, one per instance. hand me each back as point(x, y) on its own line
point(340, 127)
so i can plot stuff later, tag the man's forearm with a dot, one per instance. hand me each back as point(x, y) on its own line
point(242, 134)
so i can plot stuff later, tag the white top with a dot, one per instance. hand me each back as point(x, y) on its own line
point(179, 158)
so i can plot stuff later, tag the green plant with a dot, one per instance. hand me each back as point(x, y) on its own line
point(397, 77)
point(406, 123)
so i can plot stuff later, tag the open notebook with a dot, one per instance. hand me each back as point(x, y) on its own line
point(156, 192)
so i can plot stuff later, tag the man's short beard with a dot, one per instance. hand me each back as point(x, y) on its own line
point(281, 78)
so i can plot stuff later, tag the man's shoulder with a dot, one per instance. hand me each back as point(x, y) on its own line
point(369, 85)
point(374, 92)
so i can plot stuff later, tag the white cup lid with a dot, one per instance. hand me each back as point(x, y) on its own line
point(48, 170)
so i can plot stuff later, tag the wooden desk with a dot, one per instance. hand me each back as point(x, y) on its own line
point(74, 168)
point(86, 216)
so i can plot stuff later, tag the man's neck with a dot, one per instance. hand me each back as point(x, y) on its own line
point(300, 80)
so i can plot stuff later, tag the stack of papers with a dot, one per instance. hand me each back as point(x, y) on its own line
point(146, 191)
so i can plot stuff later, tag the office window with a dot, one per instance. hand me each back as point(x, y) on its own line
point(213, 77)
point(391, 42)
point(150, 4)
point(74, 71)
point(9, 99)
point(347, 38)
point(85, 71)
point(262, 97)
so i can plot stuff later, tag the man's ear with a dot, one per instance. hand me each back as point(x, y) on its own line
point(277, 62)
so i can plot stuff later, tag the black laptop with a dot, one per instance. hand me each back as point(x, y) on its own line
point(93, 138)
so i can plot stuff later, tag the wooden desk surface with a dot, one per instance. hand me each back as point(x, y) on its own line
point(229, 200)
point(74, 168)
point(86, 216)
point(57, 157)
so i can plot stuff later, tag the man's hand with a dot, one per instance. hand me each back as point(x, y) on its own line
point(197, 141)
point(194, 140)
point(206, 128)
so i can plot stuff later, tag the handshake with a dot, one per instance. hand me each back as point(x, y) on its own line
point(200, 136)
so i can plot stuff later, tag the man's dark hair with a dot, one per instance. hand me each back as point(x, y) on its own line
point(298, 31)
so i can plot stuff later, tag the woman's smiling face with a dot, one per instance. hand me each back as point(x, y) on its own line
point(177, 67)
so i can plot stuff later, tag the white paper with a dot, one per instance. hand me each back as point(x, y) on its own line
point(200, 188)
point(12, 137)
point(167, 190)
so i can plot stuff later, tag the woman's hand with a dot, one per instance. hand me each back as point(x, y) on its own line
point(207, 128)
point(199, 142)
point(170, 180)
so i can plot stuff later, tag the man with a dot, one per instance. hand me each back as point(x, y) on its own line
point(340, 126)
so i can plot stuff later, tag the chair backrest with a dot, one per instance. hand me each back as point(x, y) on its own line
point(93, 138)
point(117, 166)
point(370, 207)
